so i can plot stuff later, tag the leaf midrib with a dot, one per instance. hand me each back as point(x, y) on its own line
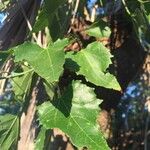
point(93, 70)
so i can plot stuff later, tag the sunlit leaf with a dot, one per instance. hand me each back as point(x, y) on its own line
point(22, 83)
point(9, 129)
point(75, 114)
point(99, 30)
point(39, 145)
point(92, 62)
point(48, 63)
point(50, 89)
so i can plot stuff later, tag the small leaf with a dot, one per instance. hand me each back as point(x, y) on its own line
point(93, 62)
point(75, 114)
point(22, 83)
point(46, 15)
point(59, 24)
point(9, 129)
point(42, 20)
point(39, 145)
point(48, 63)
point(99, 30)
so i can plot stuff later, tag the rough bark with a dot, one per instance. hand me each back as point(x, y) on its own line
point(27, 126)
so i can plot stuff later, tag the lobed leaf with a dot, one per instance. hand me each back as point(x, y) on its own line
point(48, 63)
point(75, 114)
point(92, 62)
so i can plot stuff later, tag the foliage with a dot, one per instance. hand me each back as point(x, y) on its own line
point(3, 4)
point(9, 129)
point(96, 66)
point(78, 98)
point(53, 58)
point(75, 114)
point(75, 110)
point(99, 29)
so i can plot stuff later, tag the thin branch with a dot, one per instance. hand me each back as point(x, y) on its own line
point(74, 13)
point(6, 68)
point(126, 7)
point(16, 74)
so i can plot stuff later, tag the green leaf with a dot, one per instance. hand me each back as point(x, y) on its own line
point(147, 10)
point(52, 6)
point(50, 89)
point(48, 63)
point(99, 30)
point(39, 144)
point(92, 63)
point(22, 83)
point(43, 141)
point(59, 25)
point(9, 130)
point(47, 13)
point(42, 20)
point(4, 4)
point(75, 114)
point(141, 26)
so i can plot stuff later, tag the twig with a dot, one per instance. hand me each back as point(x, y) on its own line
point(125, 5)
point(6, 69)
point(16, 74)
point(74, 14)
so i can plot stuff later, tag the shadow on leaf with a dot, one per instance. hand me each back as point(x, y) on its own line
point(64, 103)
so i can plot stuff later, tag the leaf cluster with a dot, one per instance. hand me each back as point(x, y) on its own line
point(74, 109)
